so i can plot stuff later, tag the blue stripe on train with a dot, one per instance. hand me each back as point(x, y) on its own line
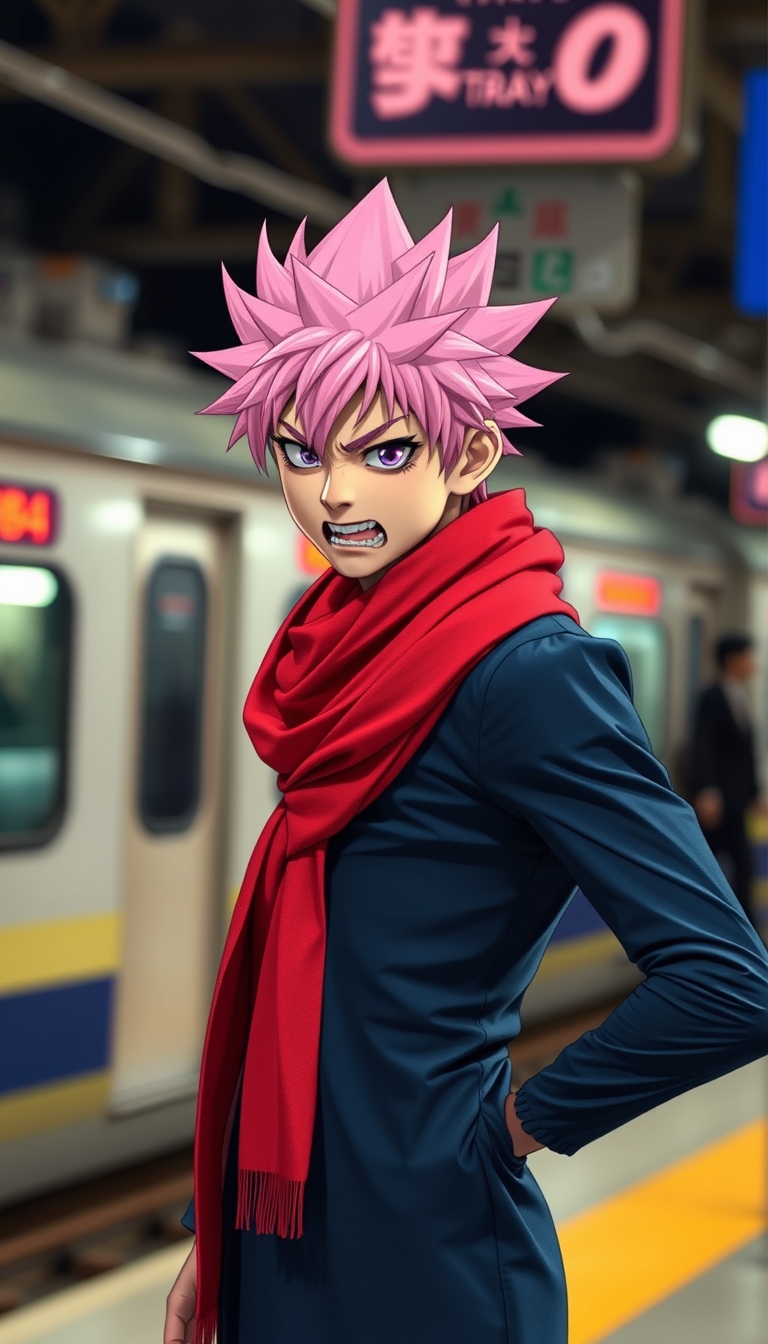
point(54, 1033)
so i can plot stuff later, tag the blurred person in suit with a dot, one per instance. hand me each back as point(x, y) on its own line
point(724, 768)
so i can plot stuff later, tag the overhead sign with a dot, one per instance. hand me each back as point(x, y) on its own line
point(500, 81)
point(570, 232)
point(28, 514)
point(749, 492)
point(751, 258)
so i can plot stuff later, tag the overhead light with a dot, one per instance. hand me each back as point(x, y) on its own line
point(119, 516)
point(23, 586)
point(738, 436)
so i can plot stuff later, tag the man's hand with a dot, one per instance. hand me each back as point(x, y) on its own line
point(522, 1143)
point(180, 1307)
point(708, 806)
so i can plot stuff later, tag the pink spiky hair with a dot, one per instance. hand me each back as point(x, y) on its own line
point(370, 309)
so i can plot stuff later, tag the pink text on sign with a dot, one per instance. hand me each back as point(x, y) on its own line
point(624, 67)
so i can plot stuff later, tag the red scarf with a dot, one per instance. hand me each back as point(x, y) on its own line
point(351, 685)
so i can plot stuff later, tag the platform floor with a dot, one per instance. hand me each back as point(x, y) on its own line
point(663, 1227)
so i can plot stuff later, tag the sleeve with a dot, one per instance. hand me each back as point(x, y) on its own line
point(188, 1219)
point(562, 747)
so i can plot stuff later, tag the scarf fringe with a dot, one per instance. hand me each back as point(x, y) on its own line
point(269, 1203)
point(205, 1328)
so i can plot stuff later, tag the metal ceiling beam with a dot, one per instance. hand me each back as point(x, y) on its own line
point(648, 337)
point(166, 140)
point(721, 92)
point(738, 26)
point(198, 245)
point(210, 65)
point(325, 7)
point(268, 134)
point(611, 394)
point(77, 22)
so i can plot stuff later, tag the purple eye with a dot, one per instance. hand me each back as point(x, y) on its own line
point(390, 456)
point(299, 454)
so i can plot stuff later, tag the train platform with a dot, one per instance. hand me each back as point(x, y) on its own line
point(662, 1223)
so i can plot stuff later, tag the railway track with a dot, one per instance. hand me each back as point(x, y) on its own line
point(59, 1239)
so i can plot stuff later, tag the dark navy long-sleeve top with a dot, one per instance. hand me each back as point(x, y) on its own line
point(421, 1224)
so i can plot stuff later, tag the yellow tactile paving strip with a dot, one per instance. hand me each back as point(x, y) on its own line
point(631, 1251)
point(622, 1256)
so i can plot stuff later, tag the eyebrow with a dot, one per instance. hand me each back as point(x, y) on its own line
point(355, 445)
point(293, 430)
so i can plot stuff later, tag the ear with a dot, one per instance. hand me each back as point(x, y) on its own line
point(480, 452)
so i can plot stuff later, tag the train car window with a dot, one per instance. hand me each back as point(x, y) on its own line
point(645, 644)
point(35, 639)
point(174, 642)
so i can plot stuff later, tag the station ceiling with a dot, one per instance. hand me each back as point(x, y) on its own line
point(251, 76)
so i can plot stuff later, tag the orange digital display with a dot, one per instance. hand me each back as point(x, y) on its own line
point(311, 561)
point(27, 514)
point(628, 594)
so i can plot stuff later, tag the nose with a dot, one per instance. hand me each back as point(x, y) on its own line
point(337, 494)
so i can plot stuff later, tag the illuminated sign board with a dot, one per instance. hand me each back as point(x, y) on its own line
point(628, 594)
point(749, 492)
point(513, 81)
point(28, 514)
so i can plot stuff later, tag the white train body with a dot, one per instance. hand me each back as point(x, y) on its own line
point(143, 616)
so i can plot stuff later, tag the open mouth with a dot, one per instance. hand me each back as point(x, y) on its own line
point(355, 536)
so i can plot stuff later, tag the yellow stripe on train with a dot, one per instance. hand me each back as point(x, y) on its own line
point(36, 1109)
point(55, 951)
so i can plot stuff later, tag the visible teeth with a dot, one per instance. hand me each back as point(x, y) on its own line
point(368, 541)
point(346, 528)
point(347, 534)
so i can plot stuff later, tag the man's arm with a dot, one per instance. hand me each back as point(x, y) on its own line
point(562, 747)
point(522, 1143)
point(180, 1306)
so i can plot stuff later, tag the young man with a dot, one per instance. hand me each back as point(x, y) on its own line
point(724, 767)
point(455, 753)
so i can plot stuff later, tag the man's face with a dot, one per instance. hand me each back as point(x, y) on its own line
point(376, 494)
point(741, 665)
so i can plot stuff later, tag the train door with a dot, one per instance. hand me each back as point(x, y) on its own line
point(172, 862)
point(699, 638)
point(696, 668)
point(700, 635)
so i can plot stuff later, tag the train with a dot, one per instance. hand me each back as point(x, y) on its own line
point(143, 572)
